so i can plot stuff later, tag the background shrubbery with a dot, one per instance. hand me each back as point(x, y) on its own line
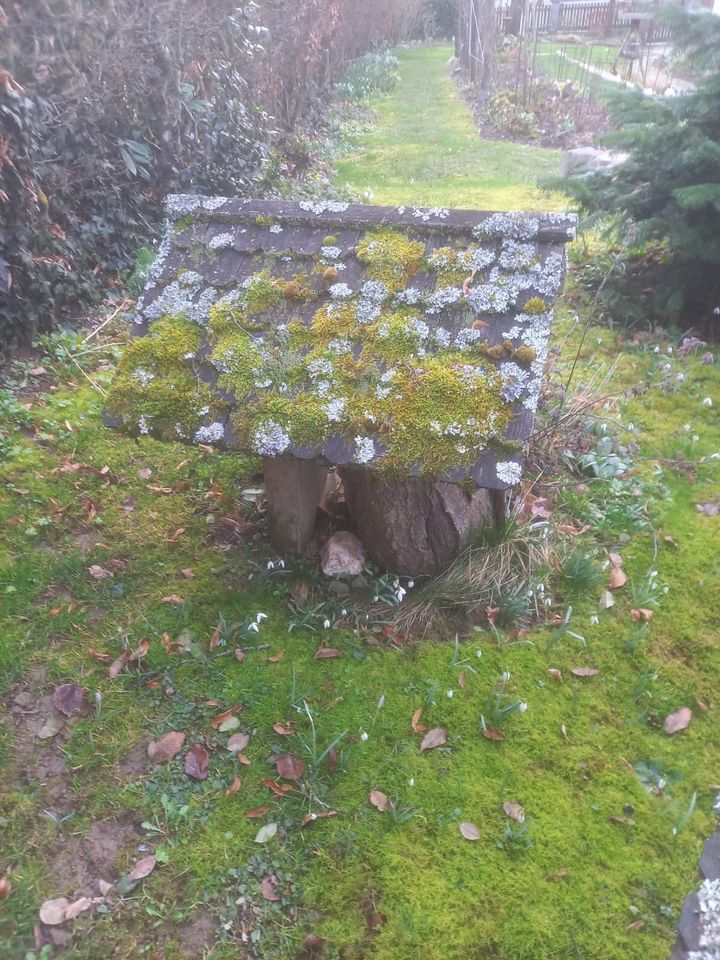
point(106, 106)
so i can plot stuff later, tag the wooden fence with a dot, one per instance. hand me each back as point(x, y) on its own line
point(580, 17)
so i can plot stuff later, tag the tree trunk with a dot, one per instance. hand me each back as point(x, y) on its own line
point(413, 526)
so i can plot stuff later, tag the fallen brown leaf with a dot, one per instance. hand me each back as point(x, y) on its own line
point(312, 817)
point(279, 789)
point(434, 738)
point(327, 653)
point(99, 573)
point(143, 868)
point(77, 907)
point(68, 698)
point(225, 715)
point(283, 729)
point(140, 651)
point(237, 742)
point(167, 747)
point(188, 573)
point(641, 614)
point(197, 761)
point(618, 578)
point(416, 725)
point(462, 678)
point(290, 768)
point(267, 887)
point(380, 801)
point(514, 811)
point(5, 888)
point(556, 674)
point(234, 787)
point(680, 720)
point(584, 672)
point(469, 830)
point(240, 655)
point(332, 759)
point(173, 598)
point(258, 812)
point(490, 733)
point(117, 665)
point(276, 657)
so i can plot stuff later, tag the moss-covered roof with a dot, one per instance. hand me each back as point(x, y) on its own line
point(399, 338)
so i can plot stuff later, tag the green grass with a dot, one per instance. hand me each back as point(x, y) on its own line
point(604, 876)
point(571, 68)
point(425, 149)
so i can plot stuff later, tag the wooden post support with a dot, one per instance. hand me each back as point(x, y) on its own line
point(293, 489)
point(413, 526)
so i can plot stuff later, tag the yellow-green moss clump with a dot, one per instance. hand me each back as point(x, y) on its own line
point(535, 306)
point(390, 257)
point(448, 268)
point(155, 390)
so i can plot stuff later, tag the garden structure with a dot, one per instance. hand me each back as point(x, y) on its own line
point(403, 346)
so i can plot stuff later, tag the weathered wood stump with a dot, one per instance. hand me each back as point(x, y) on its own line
point(293, 489)
point(413, 526)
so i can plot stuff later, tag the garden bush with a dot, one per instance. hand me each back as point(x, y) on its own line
point(105, 107)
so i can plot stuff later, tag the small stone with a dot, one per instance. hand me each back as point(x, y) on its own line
point(343, 553)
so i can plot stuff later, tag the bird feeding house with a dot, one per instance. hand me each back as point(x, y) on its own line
point(403, 346)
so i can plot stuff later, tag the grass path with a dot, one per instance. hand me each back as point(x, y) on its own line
point(106, 542)
point(425, 149)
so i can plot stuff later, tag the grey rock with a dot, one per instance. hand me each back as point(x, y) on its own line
point(343, 554)
point(591, 158)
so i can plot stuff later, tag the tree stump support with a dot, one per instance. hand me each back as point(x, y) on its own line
point(413, 526)
point(293, 489)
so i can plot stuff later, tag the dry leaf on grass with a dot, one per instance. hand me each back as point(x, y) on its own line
point(680, 720)
point(642, 613)
point(197, 761)
point(143, 868)
point(257, 812)
point(222, 717)
point(237, 742)
point(416, 725)
point(618, 578)
point(167, 747)
point(290, 768)
point(514, 811)
point(584, 672)
point(327, 653)
point(234, 787)
point(380, 801)
point(99, 573)
point(434, 738)
point(283, 729)
point(68, 698)
point(490, 733)
point(267, 887)
point(279, 789)
point(469, 831)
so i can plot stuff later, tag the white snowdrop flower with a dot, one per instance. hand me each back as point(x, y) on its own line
point(400, 593)
point(547, 602)
point(666, 588)
point(680, 377)
point(363, 736)
point(449, 694)
point(695, 437)
point(411, 782)
point(343, 612)
point(707, 402)
point(686, 427)
point(326, 624)
point(594, 619)
point(281, 563)
point(656, 350)
point(478, 653)
point(506, 676)
point(522, 707)
point(270, 565)
point(260, 617)
point(381, 702)
point(376, 598)
point(254, 627)
point(669, 349)
point(411, 584)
